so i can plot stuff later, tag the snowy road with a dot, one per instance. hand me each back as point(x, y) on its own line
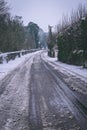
point(35, 96)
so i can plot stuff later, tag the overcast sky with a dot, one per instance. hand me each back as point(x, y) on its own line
point(43, 12)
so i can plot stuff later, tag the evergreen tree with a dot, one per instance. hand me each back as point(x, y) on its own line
point(33, 30)
point(50, 42)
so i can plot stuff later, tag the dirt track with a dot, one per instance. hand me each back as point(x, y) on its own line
point(33, 97)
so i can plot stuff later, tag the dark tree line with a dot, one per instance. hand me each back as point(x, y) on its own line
point(14, 35)
point(72, 38)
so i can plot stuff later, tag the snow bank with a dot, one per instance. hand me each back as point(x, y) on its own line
point(74, 70)
point(12, 64)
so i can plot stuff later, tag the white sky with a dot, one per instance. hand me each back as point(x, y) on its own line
point(43, 12)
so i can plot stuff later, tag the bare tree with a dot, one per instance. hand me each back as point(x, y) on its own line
point(3, 7)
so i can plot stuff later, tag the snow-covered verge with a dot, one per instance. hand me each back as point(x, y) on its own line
point(5, 68)
point(77, 71)
point(6, 57)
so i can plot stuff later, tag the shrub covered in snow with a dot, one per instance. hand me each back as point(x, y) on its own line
point(72, 39)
